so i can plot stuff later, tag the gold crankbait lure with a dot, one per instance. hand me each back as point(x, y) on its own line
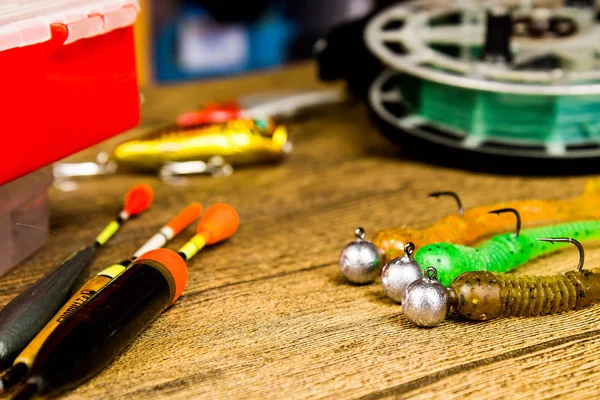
point(238, 142)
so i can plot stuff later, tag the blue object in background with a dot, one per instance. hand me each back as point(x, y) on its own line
point(193, 45)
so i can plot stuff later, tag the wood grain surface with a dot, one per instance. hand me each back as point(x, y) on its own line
point(267, 314)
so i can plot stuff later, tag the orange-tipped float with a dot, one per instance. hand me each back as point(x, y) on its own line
point(171, 229)
point(173, 263)
point(220, 222)
point(185, 218)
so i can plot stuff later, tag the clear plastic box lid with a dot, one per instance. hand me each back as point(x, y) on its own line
point(27, 22)
point(21, 190)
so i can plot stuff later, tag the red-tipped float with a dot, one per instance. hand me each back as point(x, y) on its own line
point(138, 199)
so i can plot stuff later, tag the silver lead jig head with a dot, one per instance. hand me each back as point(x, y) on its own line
point(360, 260)
point(399, 273)
point(426, 302)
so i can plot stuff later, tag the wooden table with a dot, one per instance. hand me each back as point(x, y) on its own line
point(267, 315)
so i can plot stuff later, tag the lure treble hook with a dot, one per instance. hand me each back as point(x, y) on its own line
point(461, 210)
point(511, 210)
point(569, 240)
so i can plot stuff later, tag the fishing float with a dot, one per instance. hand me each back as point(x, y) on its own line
point(95, 333)
point(25, 359)
point(25, 315)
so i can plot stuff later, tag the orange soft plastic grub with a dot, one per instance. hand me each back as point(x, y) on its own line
point(476, 223)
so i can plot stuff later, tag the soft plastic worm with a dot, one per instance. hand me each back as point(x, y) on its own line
point(501, 253)
point(485, 295)
point(476, 224)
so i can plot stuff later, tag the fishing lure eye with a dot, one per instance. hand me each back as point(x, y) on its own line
point(263, 127)
point(262, 123)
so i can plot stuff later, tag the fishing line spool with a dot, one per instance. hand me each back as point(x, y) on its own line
point(516, 78)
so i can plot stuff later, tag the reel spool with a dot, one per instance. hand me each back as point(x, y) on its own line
point(512, 79)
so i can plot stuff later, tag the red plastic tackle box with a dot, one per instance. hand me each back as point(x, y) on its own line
point(67, 81)
point(67, 78)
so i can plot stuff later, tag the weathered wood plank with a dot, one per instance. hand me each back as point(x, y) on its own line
point(267, 315)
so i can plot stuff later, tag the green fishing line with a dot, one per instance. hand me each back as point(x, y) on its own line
point(540, 118)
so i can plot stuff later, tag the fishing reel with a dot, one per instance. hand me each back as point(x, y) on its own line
point(516, 79)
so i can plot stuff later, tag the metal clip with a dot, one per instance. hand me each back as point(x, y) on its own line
point(171, 173)
point(65, 172)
